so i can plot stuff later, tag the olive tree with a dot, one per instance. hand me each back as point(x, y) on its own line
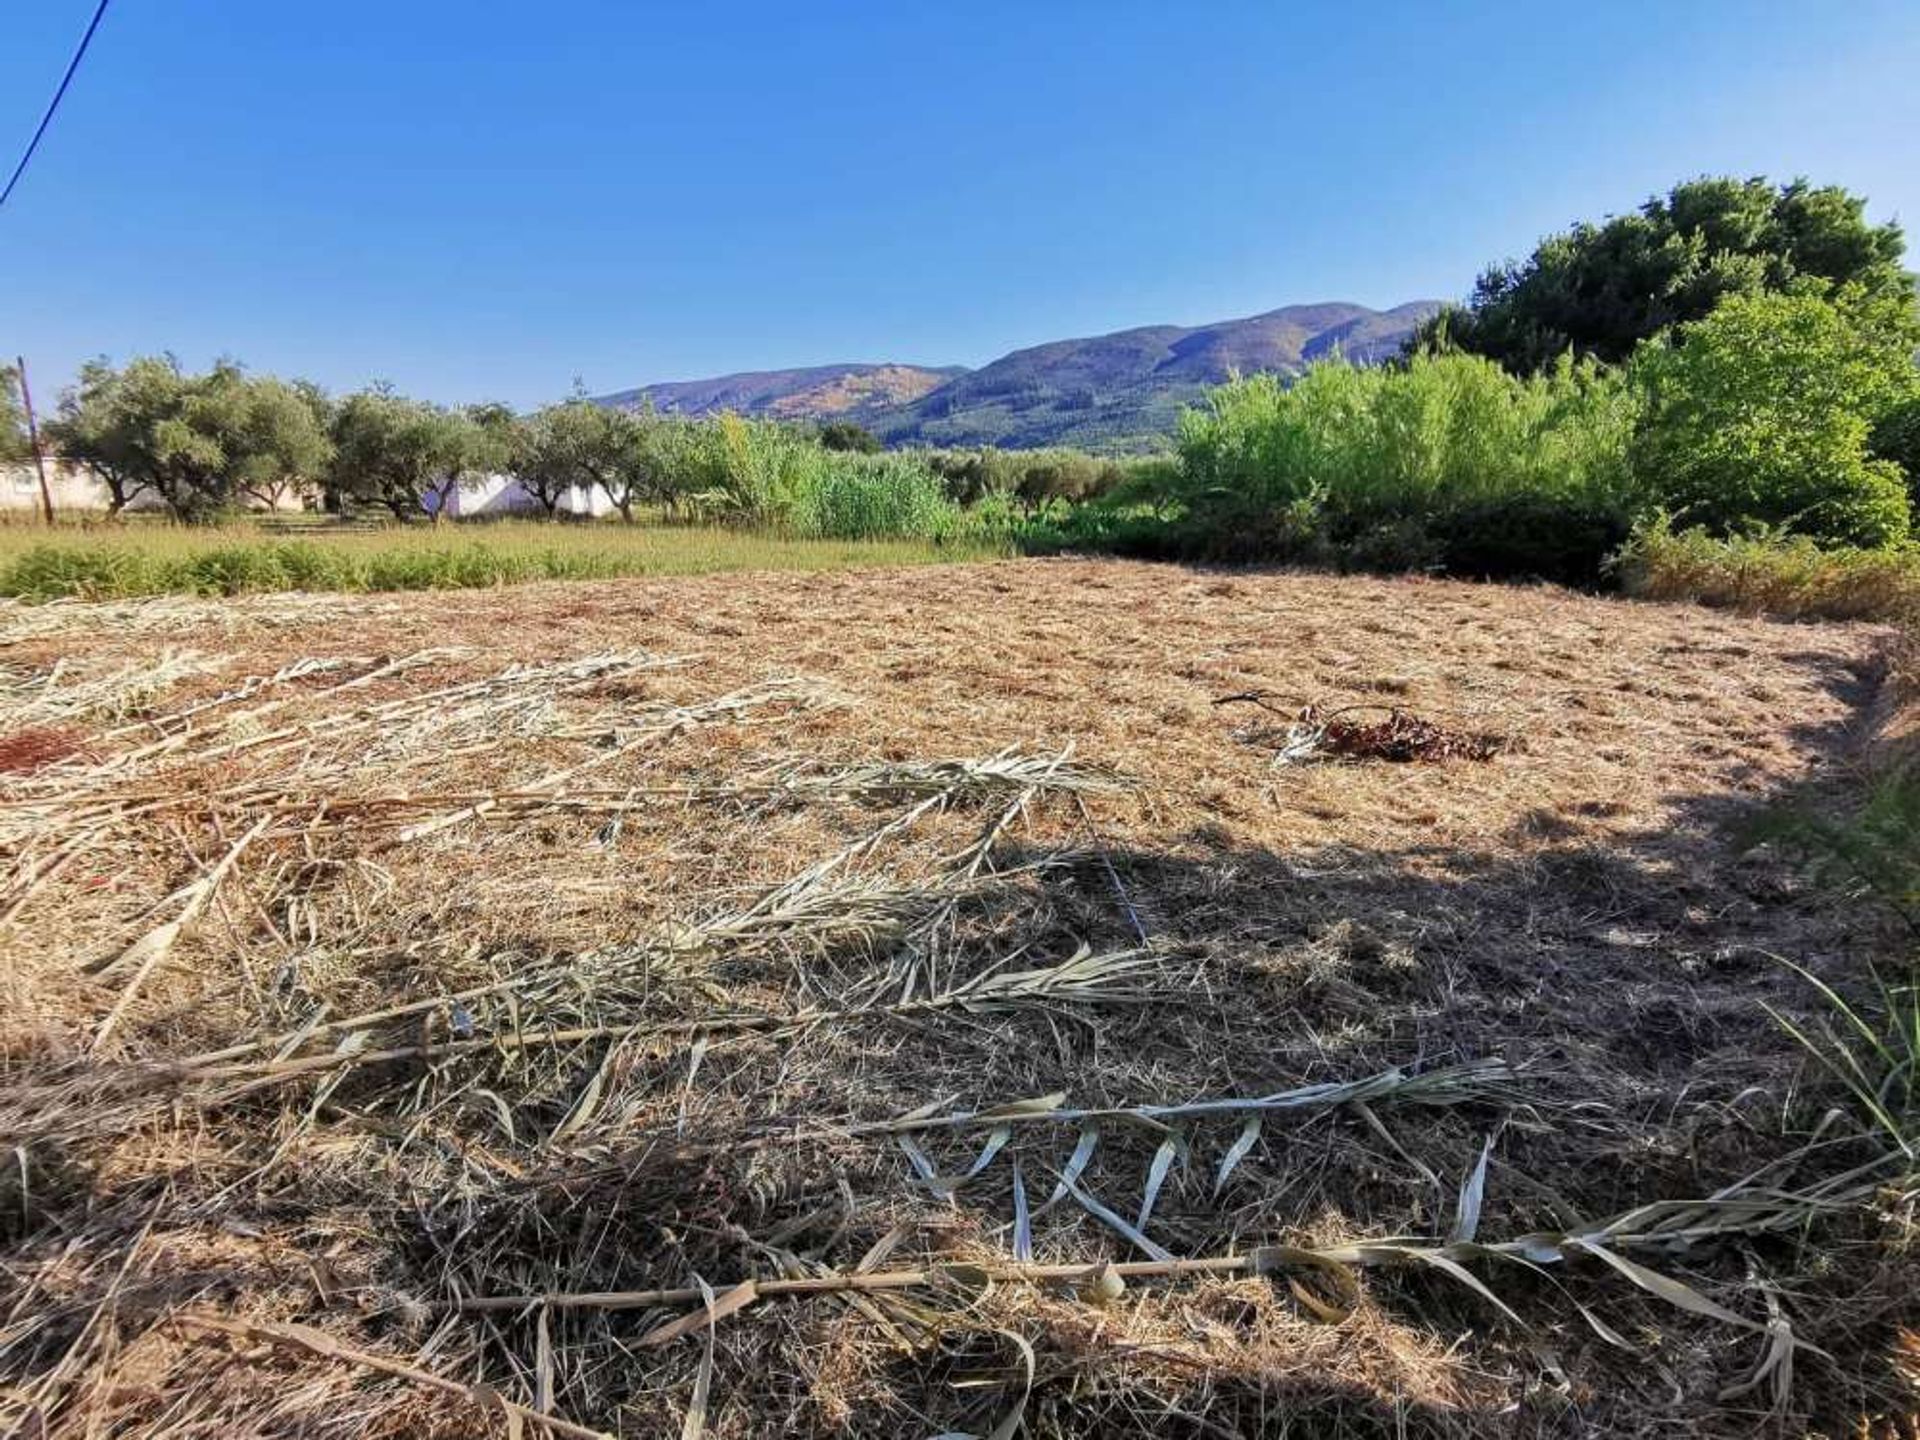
point(410, 456)
point(597, 448)
point(201, 443)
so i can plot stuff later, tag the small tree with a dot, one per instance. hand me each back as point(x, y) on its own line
point(546, 469)
point(580, 443)
point(846, 435)
point(94, 427)
point(1761, 415)
point(287, 449)
point(407, 456)
point(13, 418)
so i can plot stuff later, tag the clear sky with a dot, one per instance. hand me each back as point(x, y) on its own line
point(487, 200)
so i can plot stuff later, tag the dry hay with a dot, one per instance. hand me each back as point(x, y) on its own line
point(892, 1003)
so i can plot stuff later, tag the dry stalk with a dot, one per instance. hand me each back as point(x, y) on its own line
point(150, 949)
point(319, 1342)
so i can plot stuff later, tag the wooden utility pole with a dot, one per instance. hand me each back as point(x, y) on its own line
point(33, 439)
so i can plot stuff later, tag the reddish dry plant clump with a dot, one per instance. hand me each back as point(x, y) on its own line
point(25, 751)
point(1400, 737)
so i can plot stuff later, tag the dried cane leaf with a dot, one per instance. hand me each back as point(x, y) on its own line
point(1100, 1212)
point(1466, 1219)
point(1249, 1136)
point(1163, 1159)
point(1022, 1222)
point(1685, 1297)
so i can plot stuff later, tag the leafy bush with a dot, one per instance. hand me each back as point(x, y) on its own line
point(1896, 439)
point(1565, 539)
point(1761, 414)
point(752, 473)
point(1445, 462)
point(847, 435)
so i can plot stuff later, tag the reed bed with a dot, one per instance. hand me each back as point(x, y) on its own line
point(413, 1033)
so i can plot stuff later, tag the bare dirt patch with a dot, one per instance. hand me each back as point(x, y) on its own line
point(404, 956)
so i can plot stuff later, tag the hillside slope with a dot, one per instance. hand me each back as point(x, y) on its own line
point(816, 392)
point(1122, 391)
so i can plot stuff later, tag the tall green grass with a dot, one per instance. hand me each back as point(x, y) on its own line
point(118, 561)
point(746, 472)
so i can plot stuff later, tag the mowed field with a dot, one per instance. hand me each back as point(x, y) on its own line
point(423, 1013)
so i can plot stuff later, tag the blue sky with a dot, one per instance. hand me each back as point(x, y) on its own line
point(486, 201)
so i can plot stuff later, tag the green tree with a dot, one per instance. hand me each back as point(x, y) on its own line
point(200, 442)
point(595, 447)
point(846, 435)
point(410, 456)
point(13, 418)
point(1599, 290)
point(1896, 439)
point(1761, 414)
point(284, 427)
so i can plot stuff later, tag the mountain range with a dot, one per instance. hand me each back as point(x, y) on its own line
point(1115, 392)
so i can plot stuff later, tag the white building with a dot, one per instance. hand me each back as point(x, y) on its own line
point(504, 495)
point(76, 488)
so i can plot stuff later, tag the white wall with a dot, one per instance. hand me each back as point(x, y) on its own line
point(77, 487)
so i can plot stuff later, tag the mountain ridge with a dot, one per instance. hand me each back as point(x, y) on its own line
point(1118, 391)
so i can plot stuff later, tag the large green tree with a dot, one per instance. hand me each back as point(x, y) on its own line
point(1764, 413)
point(1599, 290)
point(201, 443)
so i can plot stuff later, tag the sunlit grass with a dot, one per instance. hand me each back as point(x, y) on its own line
point(108, 561)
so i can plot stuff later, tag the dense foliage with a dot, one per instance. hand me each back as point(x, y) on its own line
point(408, 456)
point(1761, 414)
point(1600, 290)
point(201, 443)
point(1446, 462)
point(847, 435)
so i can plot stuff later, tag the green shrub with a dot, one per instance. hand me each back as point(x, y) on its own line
point(238, 570)
point(1896, 439)
point(1760, 416)
point(752, 473)
point(1526, 536)
point(1441, 463)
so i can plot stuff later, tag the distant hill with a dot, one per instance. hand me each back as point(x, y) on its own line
point(1122, 391)
point(817, 392)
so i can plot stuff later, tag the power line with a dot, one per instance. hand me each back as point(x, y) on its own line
point(54, 104)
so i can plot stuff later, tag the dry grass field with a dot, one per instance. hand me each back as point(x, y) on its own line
point(425, 1014)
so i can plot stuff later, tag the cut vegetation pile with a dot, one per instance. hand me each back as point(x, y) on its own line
point(894, 1004)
